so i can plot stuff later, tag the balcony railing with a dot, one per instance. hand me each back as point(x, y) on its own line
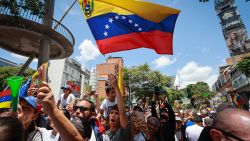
point(27, 15)
point(240, 81)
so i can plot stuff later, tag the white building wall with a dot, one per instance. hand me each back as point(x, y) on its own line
point(61, 71)
point(55, 74)
point(93, 80)
point(82, 86)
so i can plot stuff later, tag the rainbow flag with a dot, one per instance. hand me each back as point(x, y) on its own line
point(5, 99)
point(119, 25)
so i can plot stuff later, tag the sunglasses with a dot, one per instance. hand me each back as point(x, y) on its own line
point(227, 134)
point(82, 108)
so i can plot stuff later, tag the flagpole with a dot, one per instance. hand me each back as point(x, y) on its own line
point(65, 14)
point(105, 57)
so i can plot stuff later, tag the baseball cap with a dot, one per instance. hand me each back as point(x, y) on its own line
point(67, 87)
point(31, 100)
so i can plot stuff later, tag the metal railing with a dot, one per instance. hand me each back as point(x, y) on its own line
point(240, 81)
point(27, 15)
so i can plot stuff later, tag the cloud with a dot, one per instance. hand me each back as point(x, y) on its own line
point(163, 62)
point(205, 50)
point(88, 51)
point(22, 58)
point(192, 73)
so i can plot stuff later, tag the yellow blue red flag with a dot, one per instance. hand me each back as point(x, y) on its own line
point(119, 25)
point(5, 99)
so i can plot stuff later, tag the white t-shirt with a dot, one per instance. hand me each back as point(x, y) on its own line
point(105, 105)
point(42, 135)
point(92, 138)
point(65, 102)
point(53, 137)
point(193, 132)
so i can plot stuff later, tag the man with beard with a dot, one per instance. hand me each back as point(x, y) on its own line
point(84, 113)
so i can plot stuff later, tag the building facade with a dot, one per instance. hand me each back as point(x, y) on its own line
point(231, 85)
point(233, 28)
point(114, 66)
point(93, 80)
point(67, 72)
point(240, 89)
point(223, 85)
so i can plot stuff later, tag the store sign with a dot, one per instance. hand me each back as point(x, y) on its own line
point(229, 18)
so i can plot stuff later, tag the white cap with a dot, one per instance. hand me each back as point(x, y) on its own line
point(178, 119)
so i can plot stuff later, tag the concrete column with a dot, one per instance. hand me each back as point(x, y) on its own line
point(44, 51)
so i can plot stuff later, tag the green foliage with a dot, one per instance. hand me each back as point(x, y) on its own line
point(173, 95)
point(244, 66)
point(198, 93)
point(143, 80)
point(6, 72)
point(37, 7)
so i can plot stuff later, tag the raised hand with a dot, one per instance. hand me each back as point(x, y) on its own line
point(112, 80)
point(33, 90)
point(42, 74)
point(45, 97)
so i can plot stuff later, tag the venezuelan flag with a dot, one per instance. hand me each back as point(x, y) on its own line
point(5, 99)
point(119, 25)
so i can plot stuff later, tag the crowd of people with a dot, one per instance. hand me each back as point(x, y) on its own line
point(40, 118)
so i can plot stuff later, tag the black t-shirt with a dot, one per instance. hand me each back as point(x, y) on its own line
point(205, 134)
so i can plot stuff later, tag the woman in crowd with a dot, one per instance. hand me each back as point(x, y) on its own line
point(154, 128)
point(139, 126)
point(167, 120)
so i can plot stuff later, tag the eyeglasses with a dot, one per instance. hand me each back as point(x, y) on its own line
point(82, 108)
point(229, 135)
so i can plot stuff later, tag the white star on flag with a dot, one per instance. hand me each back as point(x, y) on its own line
point(140, 29)
point(111, 20)
point(117, 17)
point(123, 17)
point(130, 21)
point(136, 25)
point(105, 33)
point(107, 26)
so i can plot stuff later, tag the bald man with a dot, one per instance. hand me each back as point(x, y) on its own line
point(231, 124)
